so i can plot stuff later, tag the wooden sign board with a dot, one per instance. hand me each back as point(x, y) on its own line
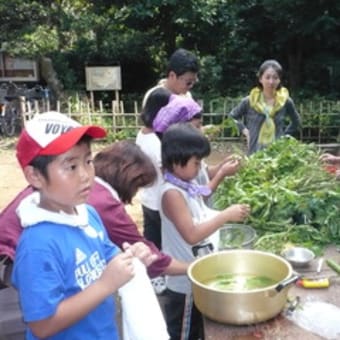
point(103, 78)
point(17, 69)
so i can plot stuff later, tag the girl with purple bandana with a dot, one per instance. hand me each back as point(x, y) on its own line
point(179, 109)
point(165, 109)
point(187, 223)
point(183, 109)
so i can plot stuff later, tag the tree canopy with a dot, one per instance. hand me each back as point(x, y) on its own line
point(231, 38)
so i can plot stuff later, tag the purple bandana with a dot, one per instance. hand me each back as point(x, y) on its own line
point(193, 189)
point(179, 109)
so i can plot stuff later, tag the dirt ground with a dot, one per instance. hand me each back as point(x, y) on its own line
point(12, 180)
point(11, 177)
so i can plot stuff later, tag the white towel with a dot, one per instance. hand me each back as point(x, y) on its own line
point(142, 316)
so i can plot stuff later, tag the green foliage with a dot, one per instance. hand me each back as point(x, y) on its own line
point(209, 78)
point(292, 198)
point(120, 135)
point(231, 39)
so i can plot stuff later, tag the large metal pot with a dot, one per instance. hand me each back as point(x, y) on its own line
point(241, 307)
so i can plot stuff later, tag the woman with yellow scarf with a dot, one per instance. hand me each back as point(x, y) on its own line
point(262, 116)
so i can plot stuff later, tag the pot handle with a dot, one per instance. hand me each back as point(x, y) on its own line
point(286, 282)
point(202, 249)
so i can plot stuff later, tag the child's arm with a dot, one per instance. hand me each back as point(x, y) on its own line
point(228, 167)
point(329, 158)
point(175, 208)
point(118, 271)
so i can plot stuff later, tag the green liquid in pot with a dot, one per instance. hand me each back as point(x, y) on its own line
point(239, 282)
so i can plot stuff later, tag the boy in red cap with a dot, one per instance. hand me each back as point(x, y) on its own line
point(66, 269)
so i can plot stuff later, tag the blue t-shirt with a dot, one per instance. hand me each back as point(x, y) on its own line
point(55, 261)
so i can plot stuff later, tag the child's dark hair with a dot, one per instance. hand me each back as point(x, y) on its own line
point(182, 61)
point(41, 162)
point(125, 167)
point(156, 100)
point(180, 142)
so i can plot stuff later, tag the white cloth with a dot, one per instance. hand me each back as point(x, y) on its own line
point(30, 213)
point(151, 146)
point(141, 314)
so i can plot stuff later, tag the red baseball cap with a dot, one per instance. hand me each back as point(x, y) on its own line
point(51, 133)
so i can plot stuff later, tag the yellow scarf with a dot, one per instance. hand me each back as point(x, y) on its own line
point(267, 131)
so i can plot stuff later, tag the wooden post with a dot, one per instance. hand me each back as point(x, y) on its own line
point(22, 103)
point(92, 100)
point(117, 99)
point(77, 102)
point(48, 104)
point(319, 122)
point(89, 112)
point(36, 106)
point(89, 115)
point(136, 115)
point(113, 116)
point(69, 107)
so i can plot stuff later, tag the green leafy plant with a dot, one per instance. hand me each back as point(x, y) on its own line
point(292, 198)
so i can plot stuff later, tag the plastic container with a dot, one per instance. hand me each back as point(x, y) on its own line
point(233, 236)
point(313, 283)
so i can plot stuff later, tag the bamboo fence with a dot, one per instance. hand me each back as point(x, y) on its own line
point(320, 120)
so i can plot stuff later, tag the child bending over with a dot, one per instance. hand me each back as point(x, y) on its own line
point(187, 221)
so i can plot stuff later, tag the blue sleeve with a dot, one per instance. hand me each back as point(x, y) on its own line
point(40, 281)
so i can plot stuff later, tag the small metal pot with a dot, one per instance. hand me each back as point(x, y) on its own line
point(299, 256)
point(241, 307)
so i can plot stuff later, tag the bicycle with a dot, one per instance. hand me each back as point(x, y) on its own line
point(13, 100)
point(9, 112)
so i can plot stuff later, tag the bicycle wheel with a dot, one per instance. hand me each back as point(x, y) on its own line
point(9, 121)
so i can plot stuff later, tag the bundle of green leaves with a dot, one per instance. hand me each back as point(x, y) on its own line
point(293, 199)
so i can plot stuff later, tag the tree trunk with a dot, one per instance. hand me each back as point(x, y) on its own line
point(294, 64)
point(49, 75)
point(167, 28)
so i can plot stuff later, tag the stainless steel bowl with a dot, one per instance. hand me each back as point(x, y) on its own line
point(298, 256)
point(233, 236)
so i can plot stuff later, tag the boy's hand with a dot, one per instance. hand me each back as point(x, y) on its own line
point(141, 251)
point(237, 212)
point(119, 271)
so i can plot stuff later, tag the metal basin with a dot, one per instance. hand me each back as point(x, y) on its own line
point(233, 236)
point(241, 307)
point(298, 256)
